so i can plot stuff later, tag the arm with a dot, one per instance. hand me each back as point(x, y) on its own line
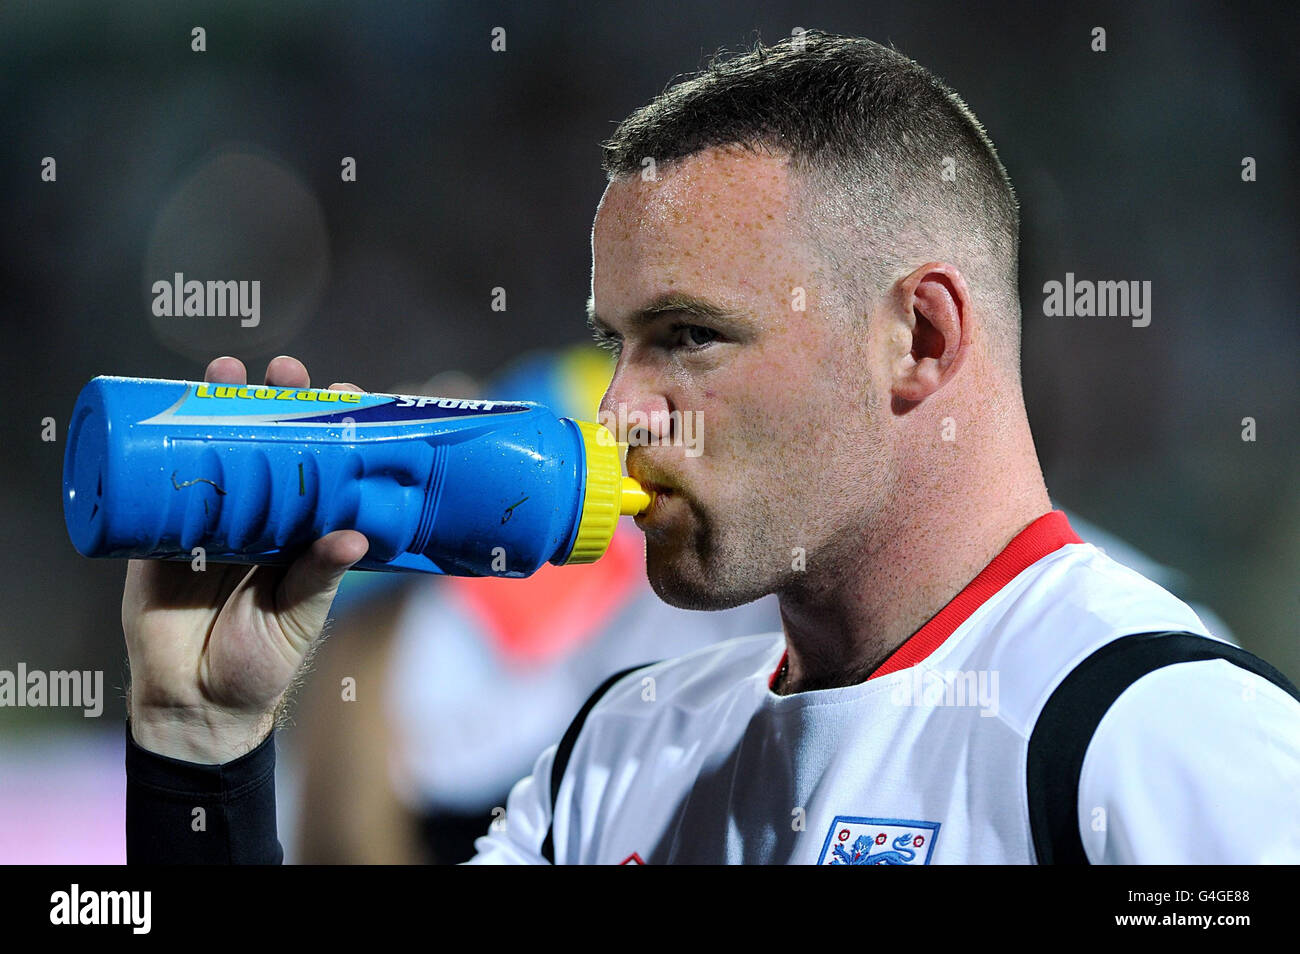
point(212, 655)
point(1196, 763)
point(181, 812)
point(528, 836)
point(517, 838)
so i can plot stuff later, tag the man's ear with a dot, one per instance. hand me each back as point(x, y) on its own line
point(935, 328)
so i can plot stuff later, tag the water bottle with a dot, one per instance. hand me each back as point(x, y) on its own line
point(253, 474)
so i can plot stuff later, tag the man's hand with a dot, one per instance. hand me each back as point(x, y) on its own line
point(213, 652)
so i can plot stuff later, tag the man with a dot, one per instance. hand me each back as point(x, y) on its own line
point(813, 247)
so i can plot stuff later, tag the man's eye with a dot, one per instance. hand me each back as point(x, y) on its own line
point(694, 337)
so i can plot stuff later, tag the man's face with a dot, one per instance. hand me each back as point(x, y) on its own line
point(721, 311)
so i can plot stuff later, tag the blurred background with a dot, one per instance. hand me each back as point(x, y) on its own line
point(477, 170)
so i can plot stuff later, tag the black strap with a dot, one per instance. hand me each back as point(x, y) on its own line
point(1066, 725)
point(565, 750)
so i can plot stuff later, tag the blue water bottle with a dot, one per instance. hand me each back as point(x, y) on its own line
point(253, 474)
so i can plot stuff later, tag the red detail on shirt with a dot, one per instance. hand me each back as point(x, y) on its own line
point(1045, 535)
point(632, 859)
point(558, 608)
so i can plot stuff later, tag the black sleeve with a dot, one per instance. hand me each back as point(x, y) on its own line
point(237, 821)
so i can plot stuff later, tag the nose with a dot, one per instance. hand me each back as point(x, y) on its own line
point(635, 407)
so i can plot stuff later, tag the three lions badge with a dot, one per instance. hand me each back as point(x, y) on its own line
point(878, 841)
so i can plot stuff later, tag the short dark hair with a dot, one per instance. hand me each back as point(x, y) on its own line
point(895, 169)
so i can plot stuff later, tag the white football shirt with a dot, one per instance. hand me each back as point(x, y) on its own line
point(696, 760)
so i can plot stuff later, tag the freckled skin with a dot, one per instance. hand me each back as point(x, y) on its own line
point(792, 455)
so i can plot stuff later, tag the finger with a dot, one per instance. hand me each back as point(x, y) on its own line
point(287, 372)
point(308, 587)
point(226, 370)
point(345, 386)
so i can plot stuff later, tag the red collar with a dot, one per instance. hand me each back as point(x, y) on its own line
point(1045, 535)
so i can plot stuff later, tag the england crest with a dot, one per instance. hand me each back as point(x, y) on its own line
point(878, 841)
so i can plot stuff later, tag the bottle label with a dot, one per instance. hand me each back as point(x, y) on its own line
point(263, 405)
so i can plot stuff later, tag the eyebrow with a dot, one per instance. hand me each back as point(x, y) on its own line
point(667, 303)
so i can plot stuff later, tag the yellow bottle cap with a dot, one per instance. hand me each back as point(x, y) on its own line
point(607, 495)
point(635, 499)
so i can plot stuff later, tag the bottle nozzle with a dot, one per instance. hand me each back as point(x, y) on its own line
point(634, 499)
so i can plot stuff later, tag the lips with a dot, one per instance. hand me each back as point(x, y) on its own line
point(659, 491)
point(658, 497)
point(654, 518)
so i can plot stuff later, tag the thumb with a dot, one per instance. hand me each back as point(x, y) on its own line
point(307, 589)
